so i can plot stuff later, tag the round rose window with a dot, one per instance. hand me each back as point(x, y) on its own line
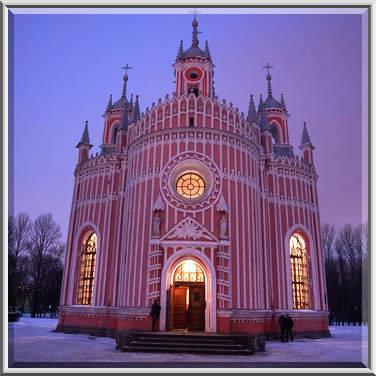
point(190, 185)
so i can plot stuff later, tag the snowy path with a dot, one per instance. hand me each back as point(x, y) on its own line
point(33, 340)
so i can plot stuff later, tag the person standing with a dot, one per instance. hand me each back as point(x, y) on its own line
point(281, 321)
point(154, 313)
point(289, 324)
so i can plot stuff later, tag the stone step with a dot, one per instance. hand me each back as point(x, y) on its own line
point(156, 343)
point(185, 339)
point(204, 343)
point(188, 350)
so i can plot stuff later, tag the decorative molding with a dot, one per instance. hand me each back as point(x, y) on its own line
point(222, 206)
point(159, 204)
point(189, 228)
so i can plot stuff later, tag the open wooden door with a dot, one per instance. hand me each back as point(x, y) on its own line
point(180, 307)
point(196, 315)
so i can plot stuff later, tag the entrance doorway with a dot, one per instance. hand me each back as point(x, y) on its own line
point(186, 298)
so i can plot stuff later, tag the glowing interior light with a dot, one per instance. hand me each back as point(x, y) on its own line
point(189, 266)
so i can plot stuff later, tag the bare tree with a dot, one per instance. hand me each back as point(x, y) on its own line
point(44, 242)
point(18, 239)
point(328, 234)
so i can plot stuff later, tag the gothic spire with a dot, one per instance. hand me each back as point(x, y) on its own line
point(207, 51)
point(195, 32)
point(283, 104)
point(252, 114)
point(136, 112)
point(109, 104)
point(124, 119)
point(85, 139)
point(305, 137)
point(131, 104)
point(261, 105)
point(180, 54)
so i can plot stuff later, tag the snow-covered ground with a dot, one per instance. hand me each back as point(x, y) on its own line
point(34, 341)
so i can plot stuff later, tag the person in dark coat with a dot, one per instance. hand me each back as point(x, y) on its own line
point(154, 313)
point(281, 321)
point(289, 324)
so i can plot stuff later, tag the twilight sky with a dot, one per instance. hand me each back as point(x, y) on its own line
point(66, 66)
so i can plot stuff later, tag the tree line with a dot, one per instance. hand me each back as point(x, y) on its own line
point(346, 267)
point(35, 264)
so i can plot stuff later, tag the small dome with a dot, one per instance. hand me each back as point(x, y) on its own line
point(120, 103)
point(270, 102)
point(194, 52)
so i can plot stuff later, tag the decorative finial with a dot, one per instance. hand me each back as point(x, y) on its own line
point(252, 114)
point(109, 104)
point(85, 139)
point(136, 112)
point(283, 104)
point(269, 78)
point(180, 54)
point(306, 140)
point(131, 104)
point(195, 31)
point(124, 119)
point(261, 105)
point(125, 78)
point(207, 51)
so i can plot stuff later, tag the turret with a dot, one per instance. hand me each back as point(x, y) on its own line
point(194, 68)
point(306, 146)
point(84, 145)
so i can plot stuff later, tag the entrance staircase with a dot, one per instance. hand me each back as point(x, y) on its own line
point(190, 342)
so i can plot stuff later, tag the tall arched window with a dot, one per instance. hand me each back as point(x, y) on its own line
point(298, 262)
point(87, 270)
point(114, 133)
point(275, 133)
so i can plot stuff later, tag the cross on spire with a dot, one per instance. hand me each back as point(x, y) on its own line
point(195, 31)
point(126, 68)
point(125, 78)
point(269, 77)
point(268, 67)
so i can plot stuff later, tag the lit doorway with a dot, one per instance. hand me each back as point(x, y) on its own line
point(186, 298)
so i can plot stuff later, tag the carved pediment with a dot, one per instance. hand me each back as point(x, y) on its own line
point(189, 229)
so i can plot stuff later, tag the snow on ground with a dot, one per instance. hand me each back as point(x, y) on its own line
point(34, 340)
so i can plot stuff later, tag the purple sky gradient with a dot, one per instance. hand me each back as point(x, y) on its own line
point(66, 66)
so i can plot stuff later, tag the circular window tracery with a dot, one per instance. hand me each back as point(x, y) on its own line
point(190, 185)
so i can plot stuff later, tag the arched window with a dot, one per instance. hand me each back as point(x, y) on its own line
point(275, 133)
point(114, 133)
point(298, 262)
point(189, 271)
point(87, 270)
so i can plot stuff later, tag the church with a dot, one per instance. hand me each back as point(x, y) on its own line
point(196, 204)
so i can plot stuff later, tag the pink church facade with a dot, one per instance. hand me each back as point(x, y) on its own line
point(199, 206)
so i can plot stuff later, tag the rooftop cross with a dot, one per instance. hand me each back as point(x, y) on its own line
point(268, 67)
point(269, 77)
point(126, 68)
point(195, 31)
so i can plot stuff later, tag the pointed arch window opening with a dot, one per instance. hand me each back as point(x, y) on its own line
point(275, 134)
point(114, 133)
point(87, 270)
point(299, 277)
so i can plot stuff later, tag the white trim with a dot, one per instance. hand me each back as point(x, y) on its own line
point(210, 285)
